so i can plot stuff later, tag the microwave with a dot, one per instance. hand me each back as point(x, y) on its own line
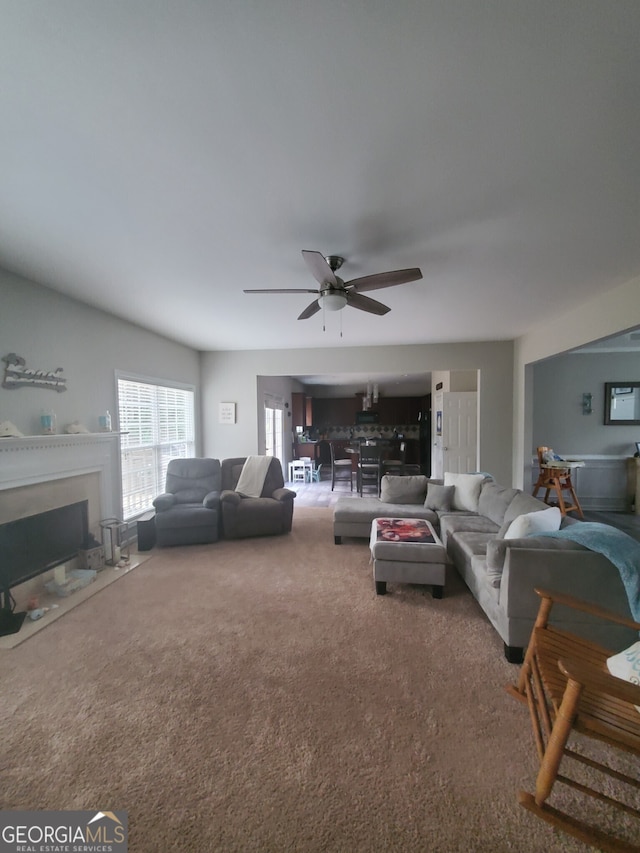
point(367, 418)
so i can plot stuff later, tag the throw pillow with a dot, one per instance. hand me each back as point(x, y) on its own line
point(467, 490)
point(544, 521)
point(626, 665)
point(403, 490)
point(439, 497)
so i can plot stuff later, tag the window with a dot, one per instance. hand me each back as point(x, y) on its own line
point(157, 424)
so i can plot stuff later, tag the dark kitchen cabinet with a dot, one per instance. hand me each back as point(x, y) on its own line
point(301, 410)
point(298, 410)
point(341, 411)
point(333, 411)
point(398, 411)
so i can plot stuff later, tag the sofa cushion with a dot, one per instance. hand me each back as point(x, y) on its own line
point(362, 511)
point(522, 503)
point(187, 515)
point(465, 523)
point(530, 523)
point(467, 489)
point(403, 490)
point(439, 497)
point(191, 496)
point(494, 500)
point(469, 522)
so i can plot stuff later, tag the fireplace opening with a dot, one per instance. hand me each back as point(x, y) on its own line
point(33, 545)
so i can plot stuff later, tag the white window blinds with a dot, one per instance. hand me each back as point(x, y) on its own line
point(157, 422)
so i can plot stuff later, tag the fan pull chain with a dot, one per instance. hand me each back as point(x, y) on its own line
point(340, 323)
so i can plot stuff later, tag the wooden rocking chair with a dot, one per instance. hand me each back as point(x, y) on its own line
point(568, 688)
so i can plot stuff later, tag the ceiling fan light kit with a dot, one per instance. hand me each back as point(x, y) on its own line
point(332, 301)
point(334, 293)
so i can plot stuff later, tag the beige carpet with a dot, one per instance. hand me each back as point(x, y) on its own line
point(258, 696)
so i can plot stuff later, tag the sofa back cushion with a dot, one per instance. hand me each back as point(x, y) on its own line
point(522, 503)
point(494, 500)
point(193, 478)
point(467, 489)
point(403, 490)
point(232, 468)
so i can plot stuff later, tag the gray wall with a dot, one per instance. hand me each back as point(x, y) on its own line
point(558, 386)
point(233, 377)
point(50, 330)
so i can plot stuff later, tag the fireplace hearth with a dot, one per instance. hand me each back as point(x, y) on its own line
point(39, 474)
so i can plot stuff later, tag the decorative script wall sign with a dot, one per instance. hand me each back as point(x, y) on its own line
point(18, 375)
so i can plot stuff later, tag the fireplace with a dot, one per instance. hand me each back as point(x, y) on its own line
point(35, 544)
point(39, 474)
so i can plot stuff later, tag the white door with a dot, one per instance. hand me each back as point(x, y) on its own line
point(456, 449)
point(273, 431)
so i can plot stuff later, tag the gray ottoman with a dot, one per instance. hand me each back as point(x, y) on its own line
point(407, 550)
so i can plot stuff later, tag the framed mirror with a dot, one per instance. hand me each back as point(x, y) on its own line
point(622, 403)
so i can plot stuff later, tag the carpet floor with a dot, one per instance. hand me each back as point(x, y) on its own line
point(257, 695)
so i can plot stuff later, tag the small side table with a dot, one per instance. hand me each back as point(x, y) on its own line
point(146, 526)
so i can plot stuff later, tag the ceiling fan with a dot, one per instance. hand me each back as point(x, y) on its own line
point(334, 293)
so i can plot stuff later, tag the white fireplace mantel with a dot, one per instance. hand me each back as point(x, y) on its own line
point(40, 458)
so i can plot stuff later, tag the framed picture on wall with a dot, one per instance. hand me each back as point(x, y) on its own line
point(227, 413)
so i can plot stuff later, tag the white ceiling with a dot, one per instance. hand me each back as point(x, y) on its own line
point(157, 158)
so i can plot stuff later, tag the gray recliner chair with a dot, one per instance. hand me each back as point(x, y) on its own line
point(268, 515)
point(188, 512)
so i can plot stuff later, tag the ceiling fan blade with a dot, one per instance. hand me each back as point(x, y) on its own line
point(310, 310)
point(283, 290)
point(320, 269)
point(355, 300)
point(384, 279)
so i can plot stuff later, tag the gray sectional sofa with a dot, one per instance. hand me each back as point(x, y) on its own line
point(502, 574)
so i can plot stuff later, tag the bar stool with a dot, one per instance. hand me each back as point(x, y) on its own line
point(341, 469)
point(395, 466)
point(555, 476)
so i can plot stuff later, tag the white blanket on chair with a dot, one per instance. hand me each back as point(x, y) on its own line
point(252, 476)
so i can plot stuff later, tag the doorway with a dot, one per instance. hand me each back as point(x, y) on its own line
point(273, 428)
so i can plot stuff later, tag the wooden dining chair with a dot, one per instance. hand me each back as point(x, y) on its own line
point(341, 469)
point(395, 464)
point(557, 480)
point(571, 694)
point(370, 466)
